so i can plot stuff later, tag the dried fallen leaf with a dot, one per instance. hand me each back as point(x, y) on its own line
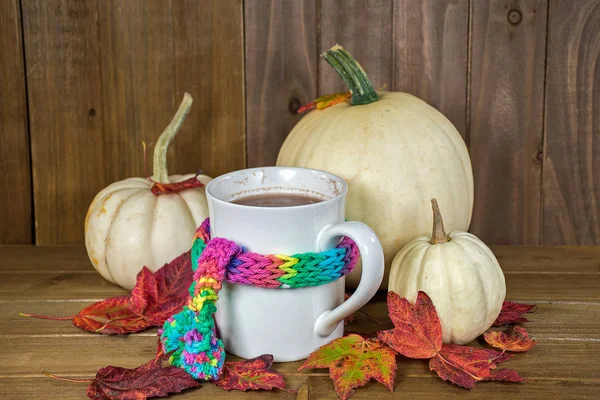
point(514, 338)
point(110, 317)
point(326, 101)
point(465, 366)
point(146, 381)
point(253, 374)
point(418, 331)
point(511, 313)
point(176, 187)
point(158, 295)
point(354, 361)
point(155, 297)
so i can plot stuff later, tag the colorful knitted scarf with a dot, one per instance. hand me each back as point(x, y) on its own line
point(191, 334)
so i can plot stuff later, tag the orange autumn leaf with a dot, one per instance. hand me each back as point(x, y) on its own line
point(515, 339)
point(418, 331)
point(465, 366)
point(353, 361)
point(326, 101)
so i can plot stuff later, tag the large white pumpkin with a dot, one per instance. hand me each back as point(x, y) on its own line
point(128, 227)
point(459, 273)
point(395, 151)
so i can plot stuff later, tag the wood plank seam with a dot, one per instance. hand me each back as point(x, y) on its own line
point(28, 127)
point(544, 125)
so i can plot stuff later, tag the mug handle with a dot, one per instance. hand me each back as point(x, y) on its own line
point(372, 271)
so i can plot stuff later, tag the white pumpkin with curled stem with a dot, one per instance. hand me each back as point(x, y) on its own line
point(459, 273)
point(395, 151)
point(145, 221)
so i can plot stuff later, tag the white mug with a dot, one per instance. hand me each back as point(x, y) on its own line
point(289, 323)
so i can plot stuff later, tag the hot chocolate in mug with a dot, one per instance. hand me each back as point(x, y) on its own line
point(289, 323)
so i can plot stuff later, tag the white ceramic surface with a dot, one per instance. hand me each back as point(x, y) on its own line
point(288, 323)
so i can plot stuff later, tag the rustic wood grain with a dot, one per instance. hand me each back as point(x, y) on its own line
point(567, 330)
point(551, 321)
point(430, 54)
point(68, 285)
point(572, 163)
point(69, 156)
point(505, 129)
point(364, 28)
point(564, 273)
point(573, 259)
point(103, 76)
point(29, 259)
point(208, 40)
point(15, 173)
point(56, 286)
point(321, 387)
point(27, 356)
point(281, 71)
point(565, 259)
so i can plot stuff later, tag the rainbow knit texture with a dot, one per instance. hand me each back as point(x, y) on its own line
point(191, 334)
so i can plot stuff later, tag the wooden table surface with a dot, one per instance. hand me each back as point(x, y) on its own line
point(564, 282)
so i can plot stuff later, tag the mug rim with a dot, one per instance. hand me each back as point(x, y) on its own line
point(214, 182)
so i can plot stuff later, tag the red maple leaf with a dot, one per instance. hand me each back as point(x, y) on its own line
point(157, 296)
point(465, 366)
point(145, 381)
point(253, 374)
point(148, 380)
point(175, 187)
point(110, 317)
point(418, 331)
point(353, 361)
point(511, 313)
point(514, 338)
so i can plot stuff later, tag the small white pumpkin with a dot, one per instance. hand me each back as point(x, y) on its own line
point(459, 273)
point(128, 227)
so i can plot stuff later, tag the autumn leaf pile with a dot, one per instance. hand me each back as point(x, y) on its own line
point(352, 360)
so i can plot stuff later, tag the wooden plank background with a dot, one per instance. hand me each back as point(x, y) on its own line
point(82, 83)
point(15, 166)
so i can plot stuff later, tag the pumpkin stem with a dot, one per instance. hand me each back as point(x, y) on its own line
point(353, 75)
point(161, 174)
point(439, 235)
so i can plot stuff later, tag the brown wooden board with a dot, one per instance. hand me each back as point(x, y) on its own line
point(105, 76)
point(571, 205)
point(15, 172)
point(569, 321)
point(430, 54)
point(508, 42)
point(26, 356)
point(281, 67)
point(565, 364)
point(364, 28)
point(66, 285)
point(317, 387)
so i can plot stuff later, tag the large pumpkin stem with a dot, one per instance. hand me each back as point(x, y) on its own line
point(439, 235)
point(353, 75)
point(161, 173)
